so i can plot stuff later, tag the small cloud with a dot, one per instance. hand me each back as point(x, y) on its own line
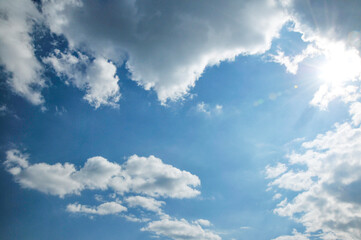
point(59, 111)
point(203, 222)
point(277, 196)
point(202, 107)
point(3, 109)
point(274, 96)
point(209, 110)
point(258, 102)
point(245, 228)
point(103, 209)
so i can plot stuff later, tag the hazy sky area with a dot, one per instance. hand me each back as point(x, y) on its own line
point(180, 119)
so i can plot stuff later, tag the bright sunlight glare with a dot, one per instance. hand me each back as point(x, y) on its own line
point(341, 65)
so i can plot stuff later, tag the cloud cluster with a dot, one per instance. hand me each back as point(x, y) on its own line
point(148, 176)
point(180, 230)
point(326, 177)
point(138, 180)
point(165, 47)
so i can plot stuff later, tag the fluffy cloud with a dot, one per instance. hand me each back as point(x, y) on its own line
point(149, 176)
point(17, 55)
point(180, 230)
point(54, 179)
point(103, 209)
point(330, 178)
point(147, 203)
point(167, 46)
point(99, 78)
point(152, 177)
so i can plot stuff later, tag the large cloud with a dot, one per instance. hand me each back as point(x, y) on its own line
point(17, 56)
point(327, 182)
point(149, 176)
point(167, 46)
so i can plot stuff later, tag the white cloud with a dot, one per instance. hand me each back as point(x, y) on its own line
point(291, 62)
point(99, 78)
point(166, 47)
point(272, 172)
point(17, 18)
point(205, 108)
point(97, 173)
point(325, 94)
point(355, 112)
point(149, 176)
point(245, 228)
point(180, 230)
point(132, 218)
point(330, 180)
point(295, 236)
point(147, 203)
point(203, 222)
point(52, 179)
point(152, 177)
point(103, 209)
point(277, 196)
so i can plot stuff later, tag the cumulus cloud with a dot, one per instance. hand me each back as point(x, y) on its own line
point(147, 203)
point(167, 46)
point(99, 78)
point(52, 179)
point(329, 202)
point(180, 230)
point(149, 176)
point(137, 175)
point(17, 18)
point(103, 209)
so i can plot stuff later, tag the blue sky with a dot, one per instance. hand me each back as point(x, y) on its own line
point(180, 120)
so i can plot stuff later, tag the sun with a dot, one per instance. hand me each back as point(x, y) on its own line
point(340, 65)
